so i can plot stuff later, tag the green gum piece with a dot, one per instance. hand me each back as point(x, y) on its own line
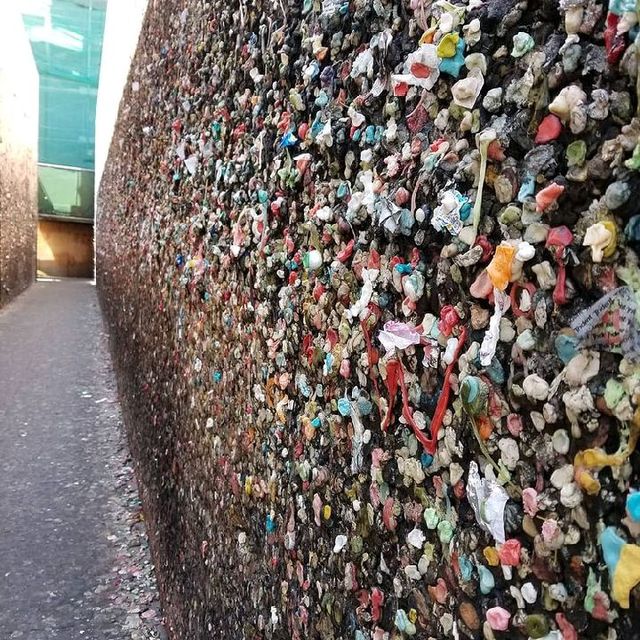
point(445, 531)
point(613, 393)
point(356, 545)
point(522, 44)
point(576, 153)
point(431, 518)
point(421, 494)
point(536, 626)
point(634, 161)
point(456, 111)
point(593, 587)
point(475, 121)
point(428, 551)
point(510, 215)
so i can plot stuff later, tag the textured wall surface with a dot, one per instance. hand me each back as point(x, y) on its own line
point(18, 157)
point(371, 274)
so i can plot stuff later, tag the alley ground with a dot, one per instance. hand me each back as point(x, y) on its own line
point(74, 558)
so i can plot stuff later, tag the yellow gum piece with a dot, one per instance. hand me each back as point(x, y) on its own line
point(611, 247)
point(491, 556)
point(598, 458)
point(447, 46)
point(627, 574)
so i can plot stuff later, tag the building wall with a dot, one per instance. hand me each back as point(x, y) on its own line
point(65, 248)
point(18, 157)
point(371, 276)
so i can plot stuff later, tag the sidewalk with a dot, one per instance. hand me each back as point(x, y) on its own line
point(74, 558)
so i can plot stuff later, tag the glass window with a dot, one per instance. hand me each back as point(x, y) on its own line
point(65, 191)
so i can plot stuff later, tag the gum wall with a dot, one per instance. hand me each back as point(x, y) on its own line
point(371, 275)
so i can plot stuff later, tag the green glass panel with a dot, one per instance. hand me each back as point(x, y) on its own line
point(65, 191)
point(66, 39)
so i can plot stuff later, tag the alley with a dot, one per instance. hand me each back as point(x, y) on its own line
point(74, 560)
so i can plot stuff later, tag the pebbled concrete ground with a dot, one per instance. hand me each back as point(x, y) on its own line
point(74, 557)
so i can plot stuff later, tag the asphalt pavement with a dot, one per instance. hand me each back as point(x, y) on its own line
point(73, 562)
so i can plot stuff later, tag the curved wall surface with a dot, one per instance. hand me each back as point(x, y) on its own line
point(371, 275)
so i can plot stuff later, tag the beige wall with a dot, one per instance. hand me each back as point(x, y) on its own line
point(65, 248)
point(18, 156)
